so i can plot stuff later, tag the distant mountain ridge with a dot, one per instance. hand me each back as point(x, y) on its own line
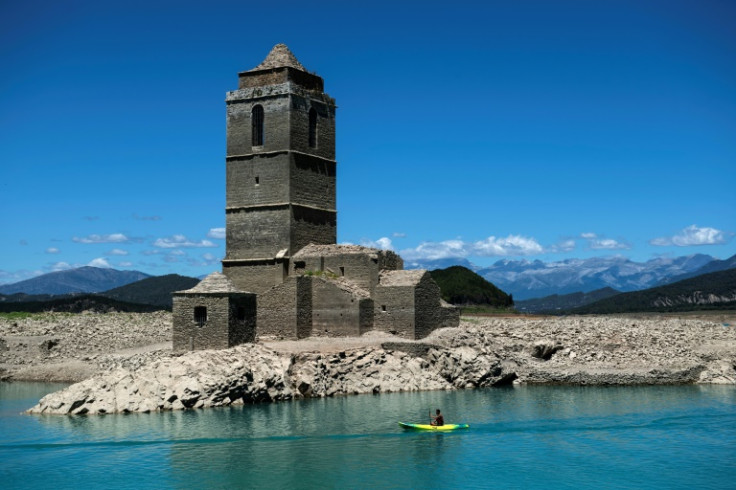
point(715, 290)
point(536, 279)
point(152, 290)
point(557, 302)
point(81, 280)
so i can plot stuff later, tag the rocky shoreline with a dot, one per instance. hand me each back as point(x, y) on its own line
point(482, 352)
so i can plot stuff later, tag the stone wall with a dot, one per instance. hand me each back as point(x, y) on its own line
point(225, 325)
point(277, 311)
point(255, 277)
point(242, 319)
point(313, 182)
point(430, 314)
point(301, 106)
point(394, 310)
point(257, 233)
point(276, 124)
point(257, 180)
point(335, 311)
point(310, 225)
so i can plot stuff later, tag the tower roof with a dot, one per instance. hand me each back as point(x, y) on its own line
point(279, 57)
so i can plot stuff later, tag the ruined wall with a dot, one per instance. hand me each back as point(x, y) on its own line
point(429, 311)
point(394, 310)
point(277, 311)
point(224, 326)
point(255, 278)
point(242, 319)
point(335, 311)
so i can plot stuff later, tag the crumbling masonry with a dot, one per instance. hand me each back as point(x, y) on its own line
point(283, 273)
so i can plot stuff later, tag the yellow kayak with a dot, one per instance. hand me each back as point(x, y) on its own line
point(440, 428)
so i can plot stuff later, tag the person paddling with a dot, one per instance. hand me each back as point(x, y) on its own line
point(438, 419)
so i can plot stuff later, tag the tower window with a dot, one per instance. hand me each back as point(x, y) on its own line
point(312, 128)
point(258, 180)
point(200, 315)
point(256, 118)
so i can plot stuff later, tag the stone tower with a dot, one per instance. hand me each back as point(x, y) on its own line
point(280, 170)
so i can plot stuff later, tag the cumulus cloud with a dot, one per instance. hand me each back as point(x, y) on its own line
point(180, 241)
point(596, 242)
point(492, 246)
point(112, 238)
point(99, 262)
point(52, 250)
point(126, 264)
point(384, 243)
point(60, 266)
point(694, 235)
point(216, 233)
point(398, 235)
point(117, 251)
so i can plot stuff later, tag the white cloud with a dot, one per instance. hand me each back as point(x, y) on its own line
point(117, 251)
point(693, 235)
point(99, 262)
point(599, 243)
point(112, 238)
point(398, 235)
point(490, 247)
point(52, 250)
point(180, 241)
point(125, 264)
point(60, 266)
point(384, 243)
point(216, 233)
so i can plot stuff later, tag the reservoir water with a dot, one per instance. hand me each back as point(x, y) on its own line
point(521, 437)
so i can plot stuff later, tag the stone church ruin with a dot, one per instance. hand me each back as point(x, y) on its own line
point(284, 275)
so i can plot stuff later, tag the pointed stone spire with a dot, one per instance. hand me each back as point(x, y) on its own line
point(279, 57)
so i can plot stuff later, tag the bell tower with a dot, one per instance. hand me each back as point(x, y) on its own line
point(281, 182)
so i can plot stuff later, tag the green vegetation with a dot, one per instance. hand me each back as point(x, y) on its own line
point(327, 274)
point(461, 286)
point(675, 297)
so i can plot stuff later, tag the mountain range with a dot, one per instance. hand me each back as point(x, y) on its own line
point(81, 280)
point(536, 279)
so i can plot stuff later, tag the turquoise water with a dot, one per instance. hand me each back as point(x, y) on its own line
point(528, 437)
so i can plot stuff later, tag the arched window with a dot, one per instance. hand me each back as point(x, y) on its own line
point(312, 128)
point(256, 118)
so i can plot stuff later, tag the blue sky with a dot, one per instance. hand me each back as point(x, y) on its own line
point(484, 130)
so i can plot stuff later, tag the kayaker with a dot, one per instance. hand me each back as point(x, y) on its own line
point(438, 419)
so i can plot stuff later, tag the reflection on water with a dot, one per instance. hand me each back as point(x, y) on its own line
point(643, 437)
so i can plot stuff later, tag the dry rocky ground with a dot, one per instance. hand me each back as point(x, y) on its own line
point(138, 372)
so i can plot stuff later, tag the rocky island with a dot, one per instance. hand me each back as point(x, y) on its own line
point(138, 372)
